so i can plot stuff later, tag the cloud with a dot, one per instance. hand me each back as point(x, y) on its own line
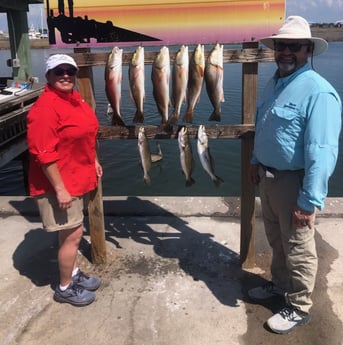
point(321, 11)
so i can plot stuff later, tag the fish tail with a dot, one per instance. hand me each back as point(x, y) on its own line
point(139, 117)
point(117, 121)
point(190, 182)
point(173, 119)
point(215, 116)
point(217, 181)
point(188, 117)
point(147, 180)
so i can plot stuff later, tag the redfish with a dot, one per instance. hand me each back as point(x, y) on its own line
point(195, 81)
point(179, 82)
point(160, 76)
point(113, 81)
point(136, 80)
point(214, 78)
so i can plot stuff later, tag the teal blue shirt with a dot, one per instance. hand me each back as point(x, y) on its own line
point(297, 126)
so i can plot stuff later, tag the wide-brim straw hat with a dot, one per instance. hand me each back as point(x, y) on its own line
point(296, 28)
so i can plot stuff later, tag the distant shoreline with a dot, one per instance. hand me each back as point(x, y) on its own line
point(330, 34)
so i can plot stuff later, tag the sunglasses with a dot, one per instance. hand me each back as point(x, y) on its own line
point(59, 72)
point(293, 47)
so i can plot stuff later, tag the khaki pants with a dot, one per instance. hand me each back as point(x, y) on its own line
point(294, 263)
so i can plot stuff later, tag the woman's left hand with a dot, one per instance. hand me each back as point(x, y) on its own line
point(98, 168)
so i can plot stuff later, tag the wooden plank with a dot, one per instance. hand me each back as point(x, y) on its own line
point(249, 55)
point(154, 132)
point(95, 207)
point(249, 97)
point(97, 225)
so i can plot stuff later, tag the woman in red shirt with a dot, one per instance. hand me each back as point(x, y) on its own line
point(63, 170)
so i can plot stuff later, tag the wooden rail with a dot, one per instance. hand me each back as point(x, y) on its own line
point(171, 132)
point(244, 55)
point(249, 56)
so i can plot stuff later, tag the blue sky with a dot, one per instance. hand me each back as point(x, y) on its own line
point(320, 11)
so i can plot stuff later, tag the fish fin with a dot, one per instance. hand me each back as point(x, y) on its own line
point(215, 116)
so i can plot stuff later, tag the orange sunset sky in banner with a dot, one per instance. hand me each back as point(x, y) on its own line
point(158, 22)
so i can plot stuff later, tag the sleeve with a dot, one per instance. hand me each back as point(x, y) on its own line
point(321, 140)
point(42, 136)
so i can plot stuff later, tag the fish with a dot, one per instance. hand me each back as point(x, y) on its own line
point(186, 156)
point(195, 81)
point(136, 81)
point(157, 156)
point(179, 82)
point(160, 75)
point(145, 154)
point(205, 157)
point(214, 77)
point(113, 81)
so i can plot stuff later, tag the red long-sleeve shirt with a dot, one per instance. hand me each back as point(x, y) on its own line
point(62, 128)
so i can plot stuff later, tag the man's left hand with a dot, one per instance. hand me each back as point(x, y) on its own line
point(302, 218)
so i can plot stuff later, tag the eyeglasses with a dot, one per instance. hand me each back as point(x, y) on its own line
point(59, 72)
point(293, 47)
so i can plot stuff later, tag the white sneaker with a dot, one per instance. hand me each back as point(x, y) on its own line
point(287, 319)
point(266, 291)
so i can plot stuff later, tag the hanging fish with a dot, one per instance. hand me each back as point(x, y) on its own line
point(195, 81)
point(145, 155)
point(179, 82)
point(157, 156)
point(186, 156)
point(136, 81)
point(214, 80)
point(205, 157)
point(113, 81)
point(160, 76)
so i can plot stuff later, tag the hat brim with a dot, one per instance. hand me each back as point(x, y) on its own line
point(320, 45)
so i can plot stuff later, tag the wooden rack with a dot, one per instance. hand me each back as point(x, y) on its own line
point(249, 56)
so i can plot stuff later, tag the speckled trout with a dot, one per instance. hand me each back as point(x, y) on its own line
point(186, 156)
point(205, 157)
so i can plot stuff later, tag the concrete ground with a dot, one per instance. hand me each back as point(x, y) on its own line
point(172, 277)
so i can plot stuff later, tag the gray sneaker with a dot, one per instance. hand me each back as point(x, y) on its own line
point(266, 291)
point(88, 283)
point(287, 319)
point(75, 295)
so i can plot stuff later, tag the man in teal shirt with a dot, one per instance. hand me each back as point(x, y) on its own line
point(297, 131)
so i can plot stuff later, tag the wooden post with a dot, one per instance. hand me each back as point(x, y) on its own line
point(95, 207)
point(19, 45)
point(249, 89)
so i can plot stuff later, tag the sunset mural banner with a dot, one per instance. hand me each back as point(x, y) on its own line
point(89, 23)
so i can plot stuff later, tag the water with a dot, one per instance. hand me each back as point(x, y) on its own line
point(120, 159)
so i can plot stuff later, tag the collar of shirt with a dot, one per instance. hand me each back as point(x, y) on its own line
point(66, 96)
point(282, 82)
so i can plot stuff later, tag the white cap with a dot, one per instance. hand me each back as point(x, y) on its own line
point(59, 59)
point(296, 28)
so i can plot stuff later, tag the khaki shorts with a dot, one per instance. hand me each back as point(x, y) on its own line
point(54, 218)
